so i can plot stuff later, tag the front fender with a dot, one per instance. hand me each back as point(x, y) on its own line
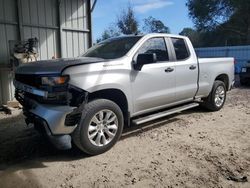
point(99, 76)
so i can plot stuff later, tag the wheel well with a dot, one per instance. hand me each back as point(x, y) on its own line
point(224, 78)
point(116, 96)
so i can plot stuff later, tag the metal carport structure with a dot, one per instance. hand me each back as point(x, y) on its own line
point(63, 28)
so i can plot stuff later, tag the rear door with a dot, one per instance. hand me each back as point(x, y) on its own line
point(154, 86)
point(186, 68)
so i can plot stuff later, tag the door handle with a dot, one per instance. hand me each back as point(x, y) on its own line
point(169, 69)
point(192, 67)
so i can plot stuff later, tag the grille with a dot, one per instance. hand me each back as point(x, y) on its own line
point(32, 80)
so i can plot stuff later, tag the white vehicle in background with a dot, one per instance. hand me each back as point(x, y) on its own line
point(129, 78)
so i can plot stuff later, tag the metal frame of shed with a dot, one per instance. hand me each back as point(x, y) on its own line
point(63, 28)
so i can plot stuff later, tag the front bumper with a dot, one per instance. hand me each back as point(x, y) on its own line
point(51, 120)
point(56, 117)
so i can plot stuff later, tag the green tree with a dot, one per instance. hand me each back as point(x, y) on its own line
point(152, 25)
point(227, 18)
point(110, 32)
point(208, 14)
point(127, 22)
point(193, 35)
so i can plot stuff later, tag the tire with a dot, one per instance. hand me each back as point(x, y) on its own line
point(210, 102)
point(106, 132)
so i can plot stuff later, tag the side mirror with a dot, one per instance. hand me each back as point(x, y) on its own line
point(143, 59)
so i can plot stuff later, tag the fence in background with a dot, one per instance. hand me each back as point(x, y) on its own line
point(240, 53)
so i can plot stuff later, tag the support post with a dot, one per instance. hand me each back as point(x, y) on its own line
point(20, 21)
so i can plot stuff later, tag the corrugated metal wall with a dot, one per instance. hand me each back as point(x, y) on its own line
point(40, 19)
point(8, 28)
point(75, 32)
point(240, 53)
point(8, 31)
point(63, 28)
point(6, 86)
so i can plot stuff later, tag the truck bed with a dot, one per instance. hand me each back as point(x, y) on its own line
point(209, 68)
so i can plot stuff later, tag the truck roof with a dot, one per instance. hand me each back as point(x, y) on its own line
point(164, 34)
point(149, 35)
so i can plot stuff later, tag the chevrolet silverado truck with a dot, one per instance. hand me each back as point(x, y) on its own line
point(121, 81)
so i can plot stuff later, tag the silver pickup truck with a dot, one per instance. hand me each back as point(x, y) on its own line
point(123, 80)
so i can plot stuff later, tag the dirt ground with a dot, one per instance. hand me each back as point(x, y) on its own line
point(191, 149)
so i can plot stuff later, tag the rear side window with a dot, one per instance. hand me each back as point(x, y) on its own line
point(157, 46)
point(180, 48)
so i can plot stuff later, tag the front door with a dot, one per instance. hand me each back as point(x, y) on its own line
point(154, 85)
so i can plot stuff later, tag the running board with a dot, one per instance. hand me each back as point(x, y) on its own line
point(164, 113)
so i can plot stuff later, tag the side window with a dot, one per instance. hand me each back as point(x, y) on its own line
point(157, 46)
point(180, 48)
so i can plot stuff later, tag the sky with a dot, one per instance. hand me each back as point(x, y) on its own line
point(173, 13)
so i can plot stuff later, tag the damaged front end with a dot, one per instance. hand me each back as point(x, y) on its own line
point(51, 104)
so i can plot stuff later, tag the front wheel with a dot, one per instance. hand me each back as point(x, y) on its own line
point(216, 99)
point(100, 127)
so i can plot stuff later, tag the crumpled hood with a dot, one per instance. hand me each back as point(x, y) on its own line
point(54, 66)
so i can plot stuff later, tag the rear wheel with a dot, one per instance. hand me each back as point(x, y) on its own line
point(100, 127)
point(216, 99)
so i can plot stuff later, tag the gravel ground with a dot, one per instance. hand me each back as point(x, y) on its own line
point(191, 149)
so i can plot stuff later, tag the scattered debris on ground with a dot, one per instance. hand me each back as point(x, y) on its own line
point(192, 149)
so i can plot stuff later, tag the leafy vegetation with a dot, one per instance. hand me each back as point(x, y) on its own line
point(220, 22)
point(152, 25)
point(127, 24)
point(217, 23)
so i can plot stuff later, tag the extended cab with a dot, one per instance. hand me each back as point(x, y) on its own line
point(121, 80)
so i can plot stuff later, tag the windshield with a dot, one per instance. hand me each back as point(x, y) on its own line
point(112, 48)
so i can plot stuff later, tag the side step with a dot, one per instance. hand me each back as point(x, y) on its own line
point(164, 113)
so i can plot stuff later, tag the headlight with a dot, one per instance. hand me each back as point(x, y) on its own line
point(54, 80)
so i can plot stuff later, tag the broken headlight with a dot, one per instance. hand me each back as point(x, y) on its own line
point(54, 80)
